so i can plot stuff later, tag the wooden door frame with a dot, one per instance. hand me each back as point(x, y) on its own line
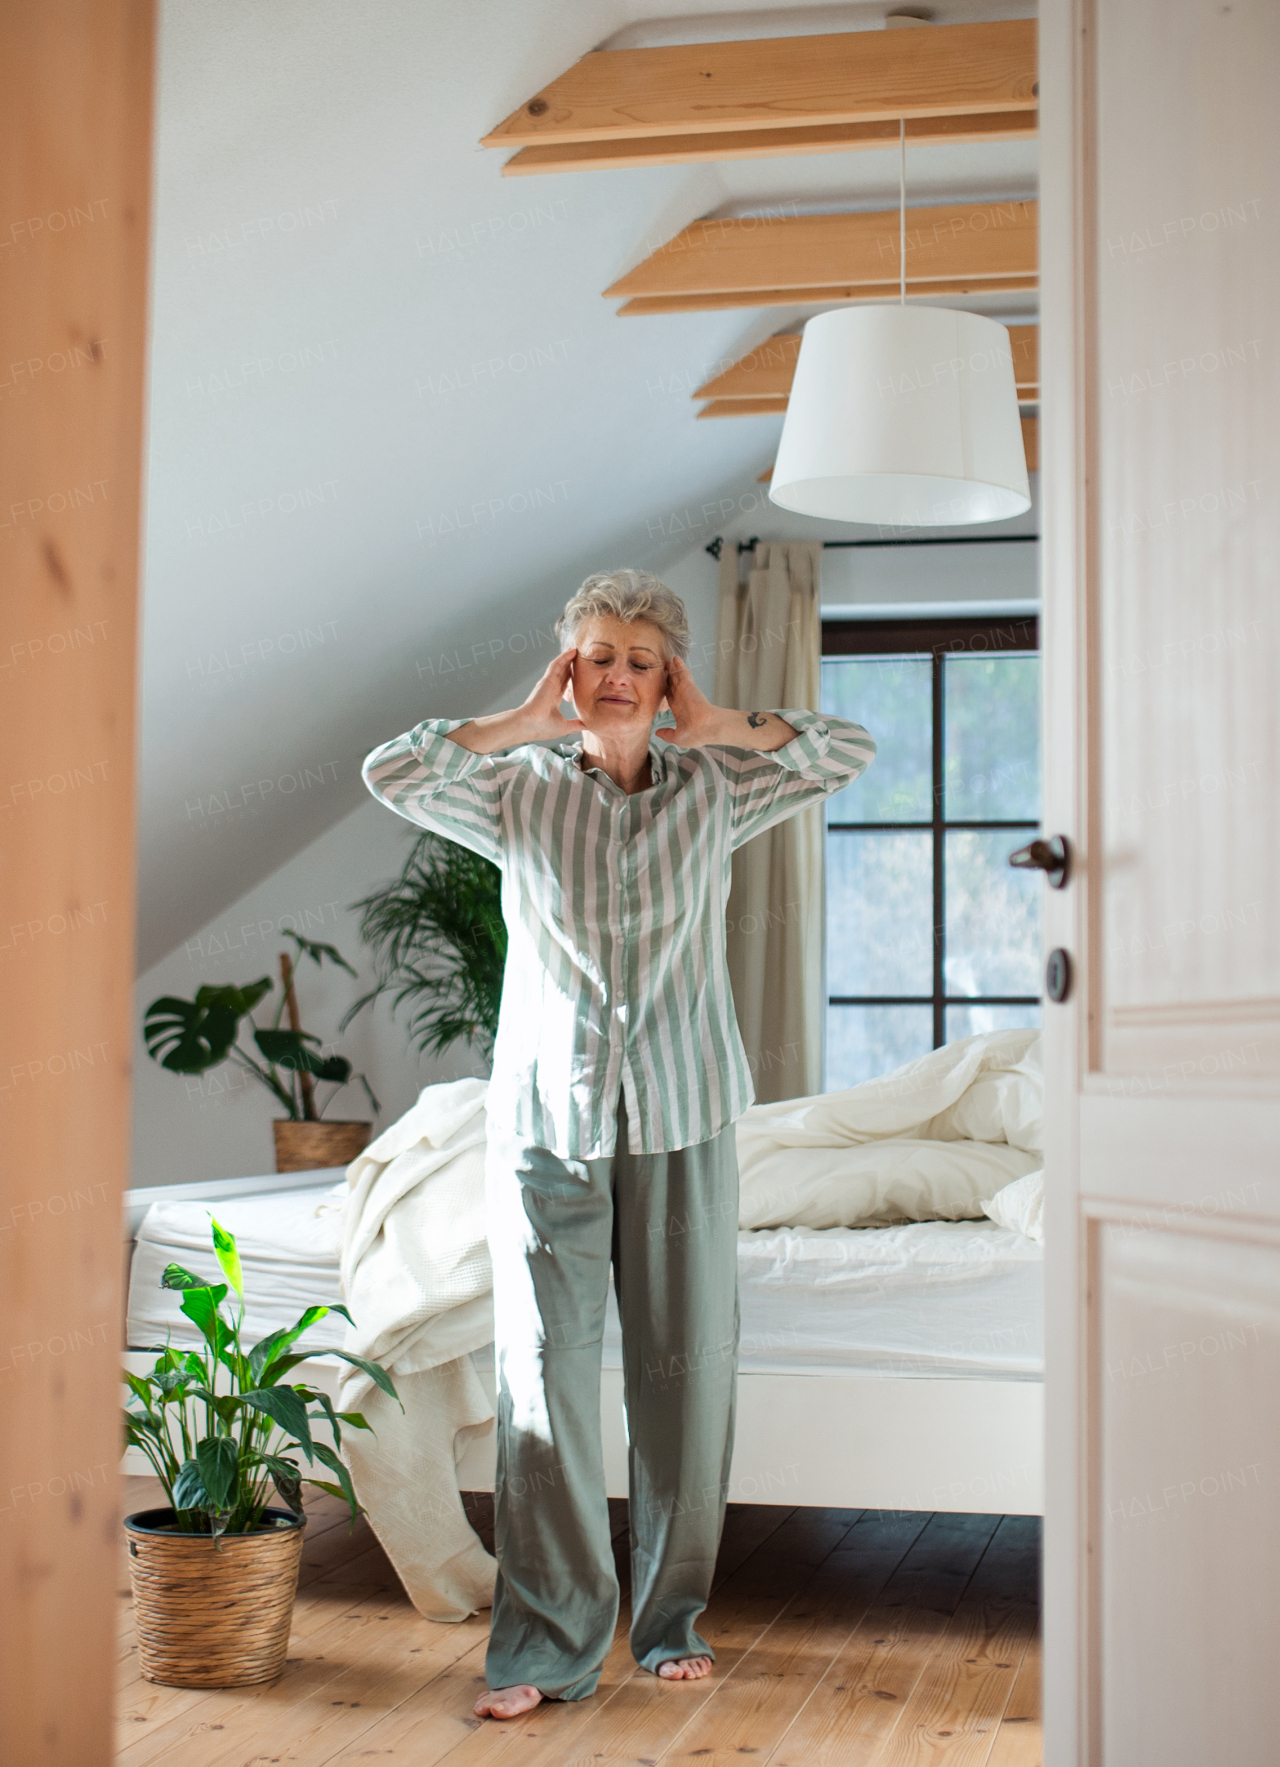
point(1067, 458)
point(75, 154)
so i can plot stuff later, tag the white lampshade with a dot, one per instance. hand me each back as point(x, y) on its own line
point(903, 415)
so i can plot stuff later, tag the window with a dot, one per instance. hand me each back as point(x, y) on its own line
point(930, 935)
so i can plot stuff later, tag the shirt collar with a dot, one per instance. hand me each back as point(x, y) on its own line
point(659, 756)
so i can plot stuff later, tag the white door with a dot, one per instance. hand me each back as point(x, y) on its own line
point(1161, 479)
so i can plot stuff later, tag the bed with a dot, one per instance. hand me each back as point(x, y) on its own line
point(892, 1367)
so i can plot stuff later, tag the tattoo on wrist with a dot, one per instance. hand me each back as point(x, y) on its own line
point(756, 719)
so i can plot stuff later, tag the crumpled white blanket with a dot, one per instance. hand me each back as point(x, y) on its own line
point(417, 1278)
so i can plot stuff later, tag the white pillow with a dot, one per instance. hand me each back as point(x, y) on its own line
point(874, 1185)
point(1020, 1205)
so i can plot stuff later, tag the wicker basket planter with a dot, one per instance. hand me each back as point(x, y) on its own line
point(302, 1147)
point(211, 1616)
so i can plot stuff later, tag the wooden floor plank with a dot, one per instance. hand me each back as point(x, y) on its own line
point(843, 1639)
point(750, 1709)
point(1020, 1737)
point(860, 1700)
point(958, 1700)
point(635, 1715)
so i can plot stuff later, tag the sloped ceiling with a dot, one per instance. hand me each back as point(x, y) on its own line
point(392, 422)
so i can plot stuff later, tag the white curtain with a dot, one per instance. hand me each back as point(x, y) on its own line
point(769, 656)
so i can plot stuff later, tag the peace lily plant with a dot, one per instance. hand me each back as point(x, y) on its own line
point(222, 1426)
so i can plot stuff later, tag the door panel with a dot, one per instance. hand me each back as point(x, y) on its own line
point(1189, 1329)
point(1161, 518)
point(1187, 385)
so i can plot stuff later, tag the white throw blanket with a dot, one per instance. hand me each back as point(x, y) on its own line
point(417, 1278)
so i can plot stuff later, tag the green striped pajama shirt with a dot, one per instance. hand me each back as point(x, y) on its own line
point(616, 979)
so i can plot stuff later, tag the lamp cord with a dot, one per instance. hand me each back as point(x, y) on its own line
point(902, 210)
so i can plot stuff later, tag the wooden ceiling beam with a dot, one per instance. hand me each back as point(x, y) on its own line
point(763, 407)
point(748, 144)
point(782, 82)
point(767, 371)
point(825, 297)
point(985, 243)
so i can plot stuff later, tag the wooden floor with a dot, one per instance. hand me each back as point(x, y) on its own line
point(843, 1638)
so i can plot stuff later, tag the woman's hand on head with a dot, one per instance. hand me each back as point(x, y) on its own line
point(540, 714)
point(697, 720)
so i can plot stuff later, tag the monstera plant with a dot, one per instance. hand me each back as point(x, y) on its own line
point(192, 1036)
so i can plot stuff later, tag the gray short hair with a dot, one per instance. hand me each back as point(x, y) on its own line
point(628, 595)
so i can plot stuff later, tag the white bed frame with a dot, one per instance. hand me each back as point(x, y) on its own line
point(843, 1441)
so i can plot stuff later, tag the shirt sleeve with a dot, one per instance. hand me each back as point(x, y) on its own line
point(442, 786)
point(825, 755)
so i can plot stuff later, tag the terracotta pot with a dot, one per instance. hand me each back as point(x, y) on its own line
point(212, 1614)
point(302, 1147)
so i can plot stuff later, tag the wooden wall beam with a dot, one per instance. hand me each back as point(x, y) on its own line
point(752, 144)
point(782, 82)
point(761, 407)
point(768, 370)
point(75, 178)
point(976, 243)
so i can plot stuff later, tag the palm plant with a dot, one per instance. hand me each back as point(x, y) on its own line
point(219, 1448)
point(439, 945)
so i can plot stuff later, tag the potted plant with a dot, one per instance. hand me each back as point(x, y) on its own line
point(214, 1573)
point(439, 945)
point(192, 1036)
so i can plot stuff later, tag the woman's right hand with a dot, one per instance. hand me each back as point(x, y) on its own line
point(539, 719)
point(540, 713)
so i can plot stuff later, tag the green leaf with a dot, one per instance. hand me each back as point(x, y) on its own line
point(340, 1472)
point(356, 1419)
point(310, 948)
point(374, 1370)
point(335, 1491)
point(234, 999)
point(188, 1488)
point(218, 1458)
point(285, 1407)
point(187, 1037)
point(335, 1068)
point(326, 1411)
point(176, 1277)
point(139, 1387)
point(201, 1306)
point(224, 1244)
point(288, 1049)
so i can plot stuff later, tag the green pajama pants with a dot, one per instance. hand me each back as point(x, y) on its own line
point(668, 1223)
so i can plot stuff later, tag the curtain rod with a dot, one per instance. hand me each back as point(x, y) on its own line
point(715, 547)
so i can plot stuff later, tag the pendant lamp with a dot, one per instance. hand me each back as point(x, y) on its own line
point(905, 416)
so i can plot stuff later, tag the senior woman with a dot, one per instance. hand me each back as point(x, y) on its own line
point(618, 1072)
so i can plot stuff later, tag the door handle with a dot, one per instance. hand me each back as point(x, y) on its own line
point(1053, 857)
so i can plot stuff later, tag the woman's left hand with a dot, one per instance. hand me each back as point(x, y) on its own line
point(697, 720)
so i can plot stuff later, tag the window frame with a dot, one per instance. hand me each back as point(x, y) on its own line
point(936, 638)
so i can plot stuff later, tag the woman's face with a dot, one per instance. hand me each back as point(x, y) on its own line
point(619, 676)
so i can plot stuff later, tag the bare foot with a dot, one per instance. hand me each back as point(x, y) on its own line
point(507, 1702)
point(685, 1668)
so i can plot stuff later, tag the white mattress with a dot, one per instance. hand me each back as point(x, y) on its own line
point(958, 1298)
point(288, 1245)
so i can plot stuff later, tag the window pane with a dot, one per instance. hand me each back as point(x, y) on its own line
point(880, 913)
point(991, 767)
point(892, 697)
point(864, 1041)
point(974, 1021)
point(993, 915)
